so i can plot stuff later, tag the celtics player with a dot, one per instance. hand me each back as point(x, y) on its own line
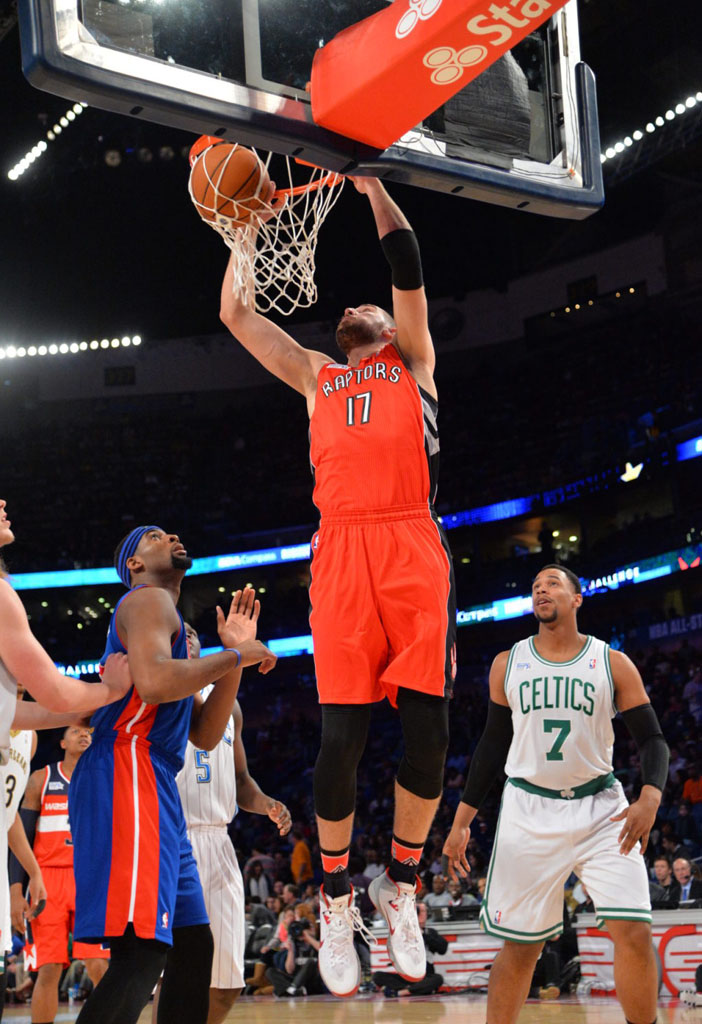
point(552, 699)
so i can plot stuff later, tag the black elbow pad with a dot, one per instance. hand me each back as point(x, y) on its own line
point(642, 722)
point(401, 250)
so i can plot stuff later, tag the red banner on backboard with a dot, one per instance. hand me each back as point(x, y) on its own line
point(379, 78)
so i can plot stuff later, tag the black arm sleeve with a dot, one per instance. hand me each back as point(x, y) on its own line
point(490, 754)
point(642, 722)
point(401, 250)
point(29, 820)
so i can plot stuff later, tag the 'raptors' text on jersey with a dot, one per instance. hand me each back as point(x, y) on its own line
point(374, 442)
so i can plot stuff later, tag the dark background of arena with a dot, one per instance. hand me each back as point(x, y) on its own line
point(88, 250)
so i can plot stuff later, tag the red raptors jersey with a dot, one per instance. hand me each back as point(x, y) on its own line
point(53, 845)
point(374, 443)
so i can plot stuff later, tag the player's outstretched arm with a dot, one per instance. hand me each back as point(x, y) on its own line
point(249, 794)
point(236, 630)
point(487, 763)
point(149, 621)
point(269, 344)
point(409, 301)
point(29, 715)
point(30, 665)
point(642, 722)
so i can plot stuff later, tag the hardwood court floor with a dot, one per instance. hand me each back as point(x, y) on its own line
point(433, 1010)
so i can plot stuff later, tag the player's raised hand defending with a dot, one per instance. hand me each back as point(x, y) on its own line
point(239, 628)
point(279, 814)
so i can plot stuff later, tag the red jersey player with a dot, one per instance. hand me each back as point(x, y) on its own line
point(382, 594)
point(47, 796)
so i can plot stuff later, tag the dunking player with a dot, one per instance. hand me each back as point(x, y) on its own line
point(136, 878)
point(45, 816)
point(213, 786)
point(552, 698)
point(383, 607)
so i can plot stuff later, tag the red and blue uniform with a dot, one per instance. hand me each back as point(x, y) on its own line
point(132, 858)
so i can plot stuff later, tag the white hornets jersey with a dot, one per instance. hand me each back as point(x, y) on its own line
point(561, 715)
point(15, 774)
point(8, 703)
point(207, 781)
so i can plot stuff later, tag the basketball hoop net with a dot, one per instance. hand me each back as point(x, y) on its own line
point(273, 253)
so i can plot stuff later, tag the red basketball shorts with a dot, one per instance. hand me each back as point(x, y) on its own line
point(383, 606)
point(51, 929)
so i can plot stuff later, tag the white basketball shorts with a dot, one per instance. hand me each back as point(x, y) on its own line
point(223, 887)
point(539, 841)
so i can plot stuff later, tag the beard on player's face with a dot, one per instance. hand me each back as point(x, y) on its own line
point(352, 334)
point(544, 616)
point(184, 562)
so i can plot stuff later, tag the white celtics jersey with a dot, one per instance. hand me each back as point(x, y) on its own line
point(8, 702)
point(561, 715)
point(207, 782)
point(15, 773)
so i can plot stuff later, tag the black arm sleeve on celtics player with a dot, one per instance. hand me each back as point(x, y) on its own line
point(29, 820)
point(642, 722)
point(489, 758)
point(401, 250)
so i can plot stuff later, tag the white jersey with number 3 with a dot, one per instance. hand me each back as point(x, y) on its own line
point(561, 715)
point(207, 781)
point(15, 774)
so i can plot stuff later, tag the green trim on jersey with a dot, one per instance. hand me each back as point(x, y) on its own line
point(559, 664)
point(610, 677)
point(604, 914)
point(516, 936)
point(595, 785)
point(509, 666)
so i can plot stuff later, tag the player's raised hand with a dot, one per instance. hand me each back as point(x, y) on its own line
point(638, 819)
point(241, 623)
point(279, 813)
point(116, 676)
point(365, 185)
point(454, 861)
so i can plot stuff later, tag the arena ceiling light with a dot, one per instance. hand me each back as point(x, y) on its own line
point(67, 348)
point(42, 145)
point(652, 126)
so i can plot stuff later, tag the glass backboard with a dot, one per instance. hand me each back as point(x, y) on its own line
point(524, 134)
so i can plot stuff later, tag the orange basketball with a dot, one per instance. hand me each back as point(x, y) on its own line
point(228, 183)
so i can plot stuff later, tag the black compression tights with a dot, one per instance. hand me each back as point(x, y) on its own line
point(344, 733)
point(135, 967)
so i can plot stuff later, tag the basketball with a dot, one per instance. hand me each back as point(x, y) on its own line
point(228, 183)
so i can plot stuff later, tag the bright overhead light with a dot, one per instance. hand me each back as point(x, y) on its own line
point(631, 472)
point(573, 539)
point(115, 343)
point(53, 349)
point(42, 145)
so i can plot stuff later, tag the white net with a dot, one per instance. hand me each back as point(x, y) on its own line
point(273, 253)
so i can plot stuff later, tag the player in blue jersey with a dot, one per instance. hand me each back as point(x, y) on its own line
point(137, 884)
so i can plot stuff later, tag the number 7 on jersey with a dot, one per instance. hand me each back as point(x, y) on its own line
point(365, 397)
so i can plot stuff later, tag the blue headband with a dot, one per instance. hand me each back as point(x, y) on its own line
point(131, 543)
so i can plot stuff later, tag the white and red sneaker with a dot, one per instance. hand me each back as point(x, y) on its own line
point(395, 901)
point(339, 965)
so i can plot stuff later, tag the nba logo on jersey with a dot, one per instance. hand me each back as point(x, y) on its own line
point(498, 916)
point(164, 919)
point(592, 662)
